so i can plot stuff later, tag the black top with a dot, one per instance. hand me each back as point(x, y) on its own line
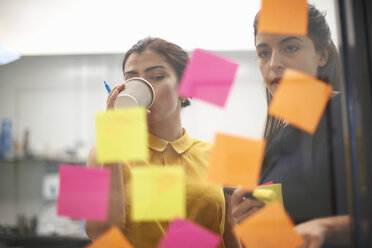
point(311, 168)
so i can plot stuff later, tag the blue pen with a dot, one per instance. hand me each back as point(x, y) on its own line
point(107, 87)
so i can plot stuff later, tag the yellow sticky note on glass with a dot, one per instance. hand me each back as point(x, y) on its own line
point(300, 100)
point(269, 227)
point(276, 188)
point(158, 193)
point(121, 135)
point(236, 161)
point(112, 238)
point(283, 17)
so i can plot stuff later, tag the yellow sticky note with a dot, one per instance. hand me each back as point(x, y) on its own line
point(266, 195)
point(158, 193)
point(121, 135)
point(284, 17)
point(112, 238)
point(276, 188)
point(300, 100)
point(269, 227)
point(236, 161)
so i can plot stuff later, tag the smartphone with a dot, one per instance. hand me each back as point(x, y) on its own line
point(230, 190)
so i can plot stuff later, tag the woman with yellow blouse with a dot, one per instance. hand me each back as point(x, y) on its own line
point(162, 64)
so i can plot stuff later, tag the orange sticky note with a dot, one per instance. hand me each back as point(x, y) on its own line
point(112, 238)
point(300, 100)
point(283, 17)
point(236, 161)
point(269, 227)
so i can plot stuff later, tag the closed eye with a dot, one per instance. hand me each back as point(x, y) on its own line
point(157, 77)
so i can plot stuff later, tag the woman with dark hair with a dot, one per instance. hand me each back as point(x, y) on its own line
point(162, 64)
point(311, 168)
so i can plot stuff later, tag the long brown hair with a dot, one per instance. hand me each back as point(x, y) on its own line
point(173, 54)
point(320, 34)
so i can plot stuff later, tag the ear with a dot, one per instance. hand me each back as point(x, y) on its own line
point(323, 57)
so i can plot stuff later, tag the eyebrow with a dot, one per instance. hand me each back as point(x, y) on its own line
point(281, 42)
point(155, 67)
point(290, 38)
point(146, 70)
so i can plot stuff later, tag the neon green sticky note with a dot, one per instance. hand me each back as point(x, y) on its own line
point(276, 188)
point(158, 193)
point(121, 135)
point(266, 195)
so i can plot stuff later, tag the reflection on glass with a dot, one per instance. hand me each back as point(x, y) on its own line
point(51, 101)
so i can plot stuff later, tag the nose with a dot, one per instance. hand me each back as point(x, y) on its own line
point(276, 62)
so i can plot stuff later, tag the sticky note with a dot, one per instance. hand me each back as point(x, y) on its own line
point(185, 234)
point(267, 183)
point(121, 135)
point(112, 238)
point(266, 195)
point(300, 100)
point(208, 77)
point(283, 17)
point(236, 161)
point(83, 192)
point(269, 227)
point(158, 193)
point(276, 188)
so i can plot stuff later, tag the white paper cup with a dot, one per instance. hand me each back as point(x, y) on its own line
point(137, 92)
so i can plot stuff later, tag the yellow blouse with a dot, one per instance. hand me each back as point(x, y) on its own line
point(205, 202)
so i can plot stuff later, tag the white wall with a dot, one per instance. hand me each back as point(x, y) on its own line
point(56, 97)
point(111, 26)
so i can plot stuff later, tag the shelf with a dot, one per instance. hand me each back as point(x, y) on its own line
point(42, 160)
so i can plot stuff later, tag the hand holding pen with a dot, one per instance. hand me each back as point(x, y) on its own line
point(113, 94)
point(243, 206)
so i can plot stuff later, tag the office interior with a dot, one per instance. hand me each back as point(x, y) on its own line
point(49, 96)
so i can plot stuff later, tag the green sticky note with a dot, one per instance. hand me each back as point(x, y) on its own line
point(276, 188)
point(158, 193)
point(121, 135)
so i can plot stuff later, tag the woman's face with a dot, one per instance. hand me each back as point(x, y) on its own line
point(276, 52)
point(153, 67)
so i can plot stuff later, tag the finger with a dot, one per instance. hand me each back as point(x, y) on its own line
point(237, 196)
point(314, 243)
point(113, 89)
point(111, 99)
point(246, 207)
point(111, 93)
point(119, 88)
point(247, 214)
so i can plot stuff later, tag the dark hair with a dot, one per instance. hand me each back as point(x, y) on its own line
point(319, 33)
point(173, 54)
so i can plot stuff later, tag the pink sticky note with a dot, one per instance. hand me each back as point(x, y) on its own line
point(267, 183)
point(185, 234)
point(208, 77)
point(83, 192)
